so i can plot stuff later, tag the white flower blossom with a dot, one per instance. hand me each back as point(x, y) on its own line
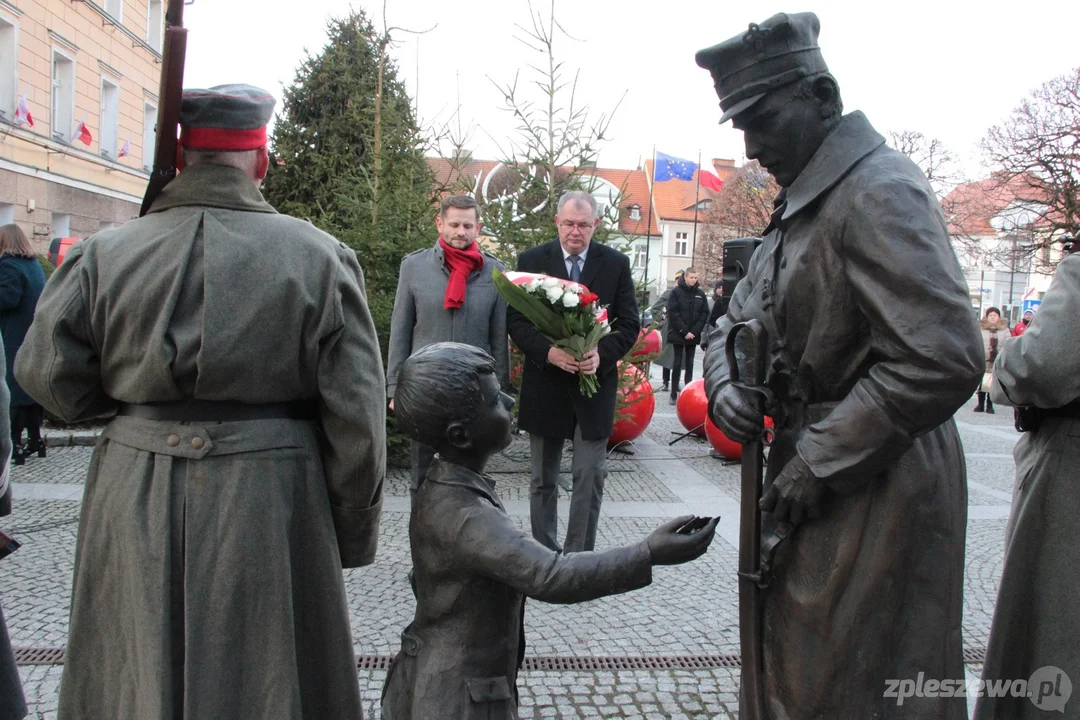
point(550, 282)
point(570, 300)
point(553, 293)
point(534, 285)
point(576, 289)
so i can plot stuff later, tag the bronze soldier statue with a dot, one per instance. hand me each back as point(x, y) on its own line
point(873, 347)
point(473, 567)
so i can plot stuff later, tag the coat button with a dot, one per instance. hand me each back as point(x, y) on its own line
point(172, 440)
point(197, 443)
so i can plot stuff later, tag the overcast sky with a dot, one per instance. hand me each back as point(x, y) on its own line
point(948, 68)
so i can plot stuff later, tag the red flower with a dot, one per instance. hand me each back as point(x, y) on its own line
point(589, 298)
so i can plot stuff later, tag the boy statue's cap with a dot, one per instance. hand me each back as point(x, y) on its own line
point(225, 117)
point(768, 56)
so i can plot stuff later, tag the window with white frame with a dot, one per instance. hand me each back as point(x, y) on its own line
point(154, 24)
point(63, 95)
point(9, 70)
point(635, 212)
point(680, 243)
point(149, 135)
point(115, 8)
point(61, 225)
point(640, 256)
point(7, 213)
point(110, 117)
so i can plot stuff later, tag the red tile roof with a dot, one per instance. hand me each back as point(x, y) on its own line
point(970, 207)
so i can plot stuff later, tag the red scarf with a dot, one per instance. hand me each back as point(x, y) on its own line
point(461, 263)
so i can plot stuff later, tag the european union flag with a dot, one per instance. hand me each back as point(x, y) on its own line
point(669, 167)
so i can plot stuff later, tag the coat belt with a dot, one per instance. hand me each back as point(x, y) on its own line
point(191, 410)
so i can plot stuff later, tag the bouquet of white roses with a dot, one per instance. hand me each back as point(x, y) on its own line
point(565, 312)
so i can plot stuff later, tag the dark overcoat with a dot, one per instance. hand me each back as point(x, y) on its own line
point(873, 348)
point(21, 283)
point(1035, 625)
point(208, 577)
point(550, 402)
point(473, 569)
point(688, 309)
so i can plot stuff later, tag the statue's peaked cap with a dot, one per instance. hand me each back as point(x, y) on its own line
point(768, 56)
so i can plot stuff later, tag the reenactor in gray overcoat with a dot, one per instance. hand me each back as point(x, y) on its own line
point(245, 463)
point(1036, 628)
point(873, 347)
point(445, 293)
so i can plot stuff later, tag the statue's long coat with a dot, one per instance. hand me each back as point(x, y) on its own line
point(208, 577)
point(873, 336)
point(1035, 620)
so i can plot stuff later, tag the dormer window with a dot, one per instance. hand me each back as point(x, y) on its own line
point(635, 212)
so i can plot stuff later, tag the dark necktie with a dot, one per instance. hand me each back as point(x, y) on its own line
point(575, 268)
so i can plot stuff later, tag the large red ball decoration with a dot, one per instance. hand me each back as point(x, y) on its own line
point(631, 422)
point(692, 407)
point(650, 344)
point(728, 448)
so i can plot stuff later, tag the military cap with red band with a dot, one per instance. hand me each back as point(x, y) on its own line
point(225, 118)
point(768, 56)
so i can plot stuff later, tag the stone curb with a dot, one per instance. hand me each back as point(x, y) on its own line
point(69, 438)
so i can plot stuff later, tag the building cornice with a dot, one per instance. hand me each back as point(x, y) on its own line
point(107, 19)
point(102, 65)
point(4, 4)
point(58, 38)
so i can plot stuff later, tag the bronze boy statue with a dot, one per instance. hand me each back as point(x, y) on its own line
point(473, 567)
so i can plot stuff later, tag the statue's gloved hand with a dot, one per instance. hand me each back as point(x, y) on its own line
point(732, 411)
point(795, 495)
point(668, 546)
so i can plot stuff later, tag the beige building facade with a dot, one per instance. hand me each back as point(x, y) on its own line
point(71, 63)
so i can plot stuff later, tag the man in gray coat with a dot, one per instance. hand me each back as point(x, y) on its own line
point(873, 347)
point(445, 294)
point(1036, 629)
point(244, 468)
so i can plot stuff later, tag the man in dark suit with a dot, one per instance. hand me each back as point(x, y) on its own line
point(552, 407)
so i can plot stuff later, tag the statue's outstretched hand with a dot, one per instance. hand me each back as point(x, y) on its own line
point(681, 540)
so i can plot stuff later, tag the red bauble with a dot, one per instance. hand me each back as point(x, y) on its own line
point(728, 448)
point(650, 346)
point(638, 413)
point(692, 406)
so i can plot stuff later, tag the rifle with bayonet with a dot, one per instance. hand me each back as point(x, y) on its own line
point(173, 53)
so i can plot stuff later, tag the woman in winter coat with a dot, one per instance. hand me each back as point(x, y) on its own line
point(994, 332)
point(21, 283)
point(688, 309)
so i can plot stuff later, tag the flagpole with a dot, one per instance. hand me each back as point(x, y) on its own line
point(697, 201)
point(648, 226)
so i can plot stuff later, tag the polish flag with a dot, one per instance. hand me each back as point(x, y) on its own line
point(83, 135)
point(22, 113)
point(711, 181)
point(127, 147)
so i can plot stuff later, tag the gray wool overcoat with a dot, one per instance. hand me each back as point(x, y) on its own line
point(420, 320)
point(873, 348)
point(208, 577)
point(1035, 620)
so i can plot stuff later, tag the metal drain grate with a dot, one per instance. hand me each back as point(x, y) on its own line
point(972, 655)
point(39, 656)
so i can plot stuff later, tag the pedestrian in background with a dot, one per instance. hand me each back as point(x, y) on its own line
point(994, 332)
point(660, 307)
point(688, 309)
point(716, 311)
point(1036, 628)
point(21, 283)
point(1020, 327)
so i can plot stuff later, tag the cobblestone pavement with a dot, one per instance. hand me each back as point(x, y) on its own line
point(688, 610)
